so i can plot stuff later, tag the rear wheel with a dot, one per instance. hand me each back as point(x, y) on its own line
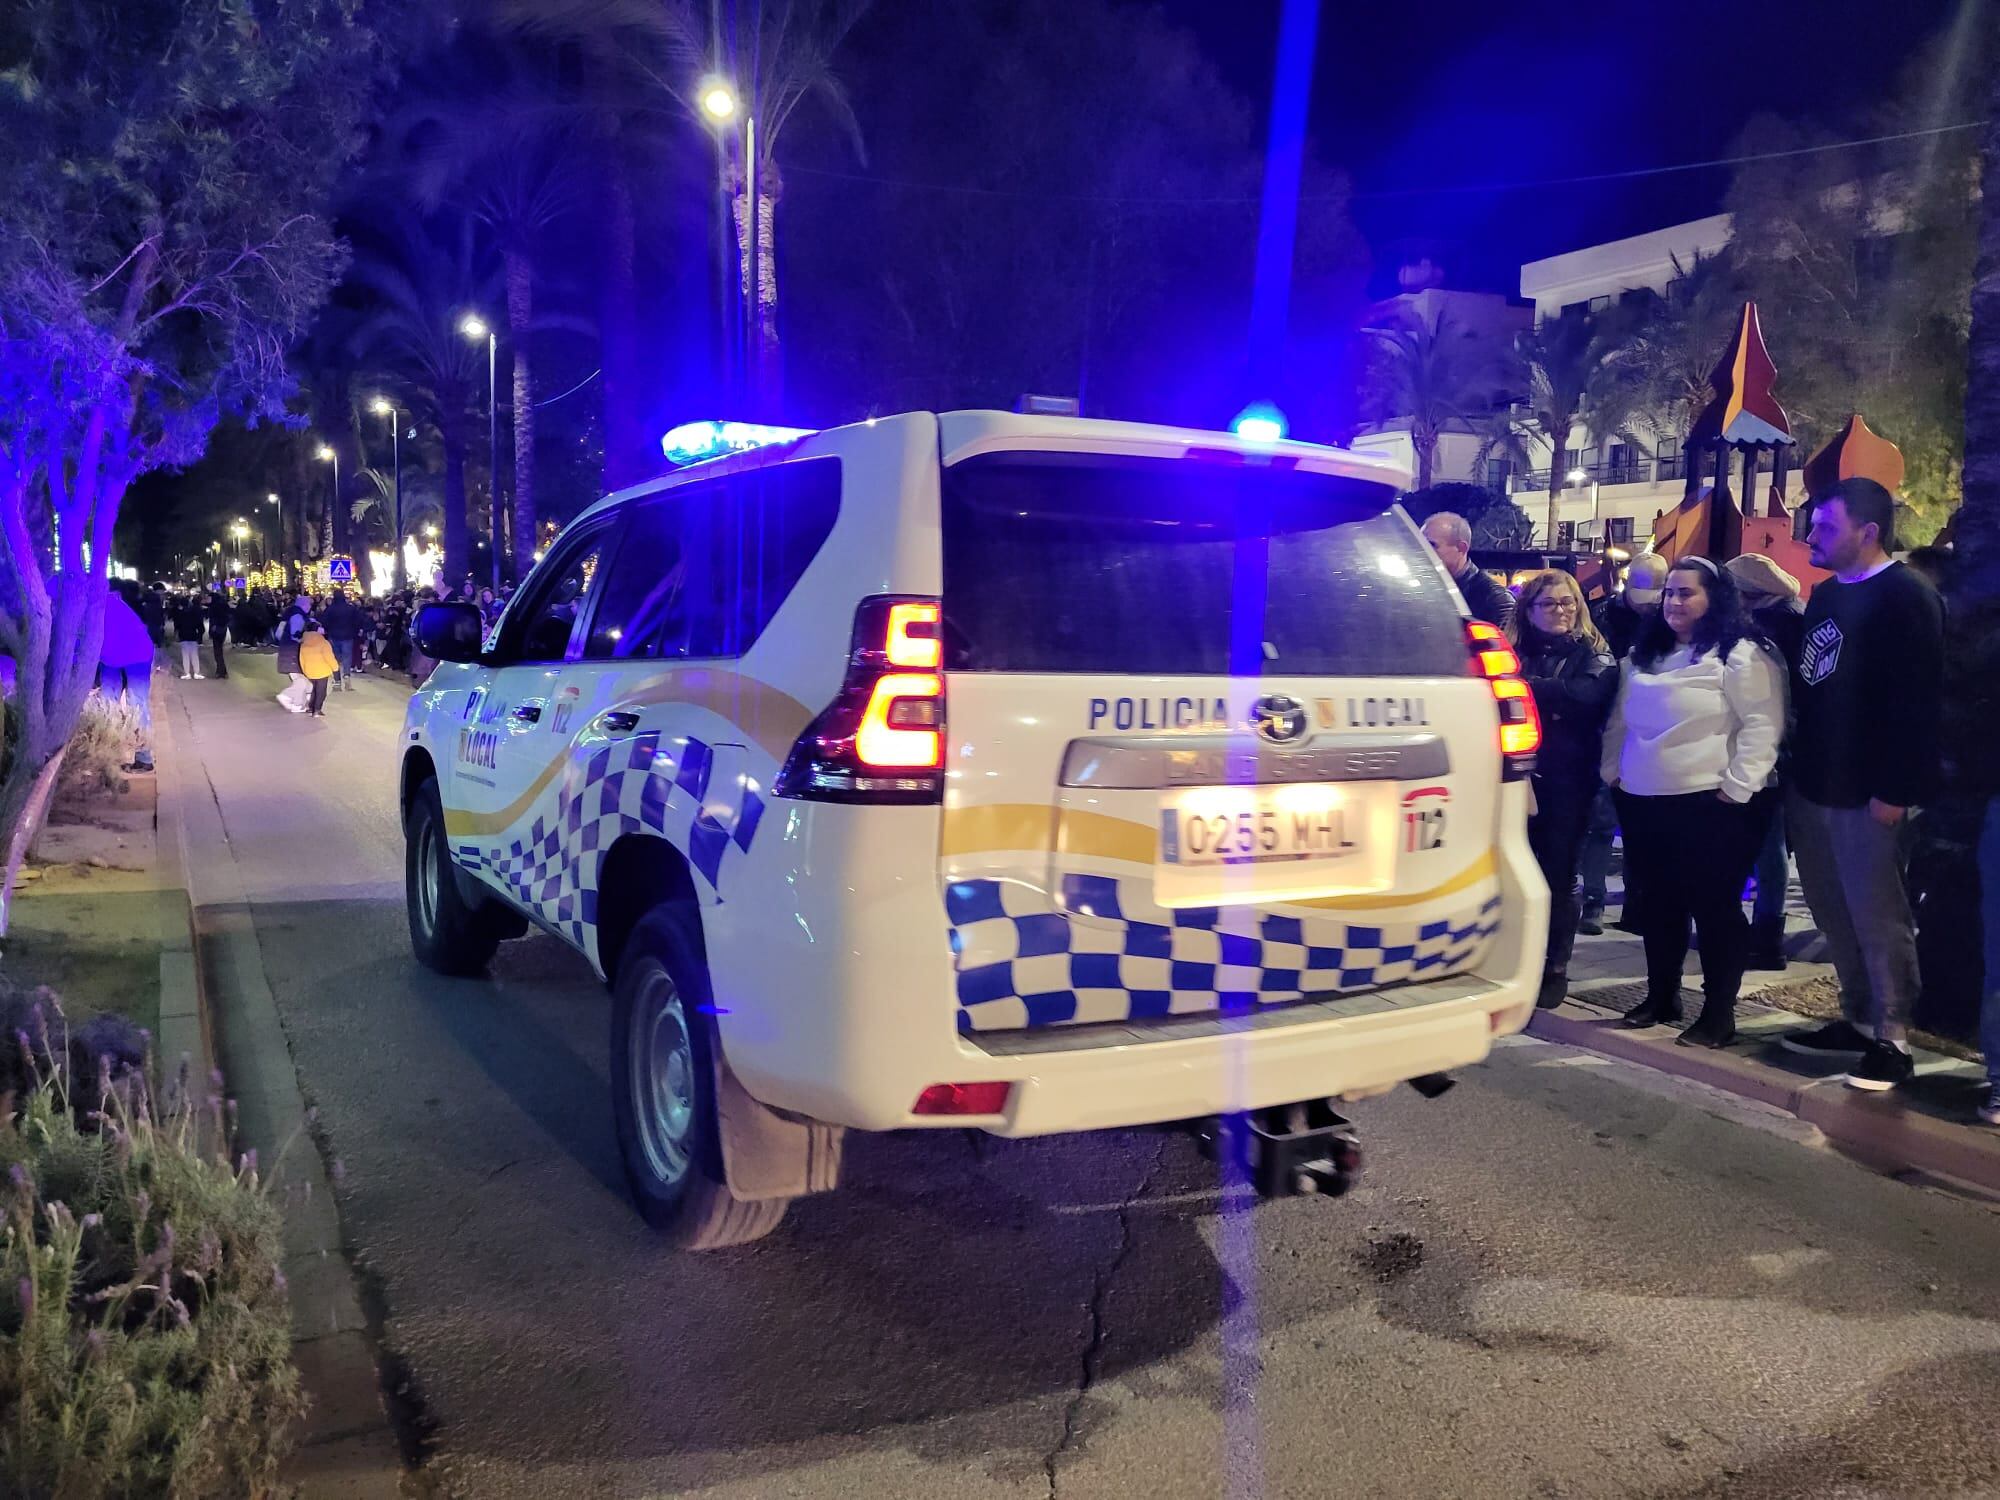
point(663, 1092)
point(447, 933)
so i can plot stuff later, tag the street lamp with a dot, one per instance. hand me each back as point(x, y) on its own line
point(383, 407)
point(326, 455)
point(474, 327)
point(718, 99)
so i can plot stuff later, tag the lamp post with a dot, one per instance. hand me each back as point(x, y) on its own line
point(327, 455)
point(383, 407)
point(240, 531)
point(474, 327)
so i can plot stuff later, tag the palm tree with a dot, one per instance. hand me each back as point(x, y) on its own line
point(1574, 371)
point(790, 56)
point(424, 276)
point(496, 136)
point(1676, 340)
point(1433, 373)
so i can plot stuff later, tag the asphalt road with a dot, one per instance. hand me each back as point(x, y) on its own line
point(1566, 1277)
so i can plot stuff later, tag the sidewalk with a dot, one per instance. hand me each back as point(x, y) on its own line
point(346, 1449)
point(1926, 1128)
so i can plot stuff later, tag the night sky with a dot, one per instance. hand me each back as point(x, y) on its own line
point(1446, 92)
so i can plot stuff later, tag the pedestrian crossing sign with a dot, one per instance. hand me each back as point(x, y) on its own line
point(340, 569)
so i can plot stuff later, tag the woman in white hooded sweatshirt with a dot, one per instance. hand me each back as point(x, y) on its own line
point(1688, 753)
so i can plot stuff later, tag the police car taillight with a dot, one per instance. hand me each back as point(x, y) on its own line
point(882, 738)
point(1493, 658)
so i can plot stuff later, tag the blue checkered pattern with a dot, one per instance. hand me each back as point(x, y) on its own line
point(628, 786)
point(1107, 953)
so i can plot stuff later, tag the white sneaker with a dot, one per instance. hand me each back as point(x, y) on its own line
point(199, 678)
point(186, 677)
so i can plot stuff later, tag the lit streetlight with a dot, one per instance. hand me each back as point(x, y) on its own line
point(474, 327)
point(718, 100)
point(327, 455)
point(382, 406)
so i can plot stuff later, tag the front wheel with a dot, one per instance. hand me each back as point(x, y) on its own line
point(446, 932)
point(663, 1092)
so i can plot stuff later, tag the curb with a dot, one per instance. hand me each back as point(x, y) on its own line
point(345, 1445)
point(1878, 1130)
point(185, 1029)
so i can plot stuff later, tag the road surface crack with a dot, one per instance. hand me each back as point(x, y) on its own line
point(1093, 1348)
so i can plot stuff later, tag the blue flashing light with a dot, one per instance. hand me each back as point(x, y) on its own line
point(1259, 422)
point(691, 442)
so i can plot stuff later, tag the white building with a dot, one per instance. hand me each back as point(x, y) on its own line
point(1482, 317)
point(1611, 496)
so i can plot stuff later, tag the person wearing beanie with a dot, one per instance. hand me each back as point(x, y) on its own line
point(1772, 597)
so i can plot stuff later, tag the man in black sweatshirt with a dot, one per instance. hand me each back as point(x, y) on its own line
point(1867, 686)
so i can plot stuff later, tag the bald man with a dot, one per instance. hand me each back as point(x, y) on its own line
point(1451, 539)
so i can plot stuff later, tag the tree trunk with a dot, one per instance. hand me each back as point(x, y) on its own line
point(1558, 464)
point(457, 510)
point(763, 300)
point(520, 313)
point(1976, 535)
point(1426, 444)
point(626, 444)
point(24, 803)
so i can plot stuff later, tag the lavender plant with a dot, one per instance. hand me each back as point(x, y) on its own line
point(144, 1326)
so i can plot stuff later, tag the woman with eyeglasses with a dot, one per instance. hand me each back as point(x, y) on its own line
point(1570, 668)
point(1689, 755)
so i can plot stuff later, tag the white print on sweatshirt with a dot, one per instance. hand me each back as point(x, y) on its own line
point(1697, 726)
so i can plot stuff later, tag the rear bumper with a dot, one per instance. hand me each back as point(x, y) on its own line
point(876, 1029)
point(1227, 1067)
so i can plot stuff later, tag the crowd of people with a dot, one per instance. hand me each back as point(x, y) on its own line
point(320, 643)
point(1721, 727)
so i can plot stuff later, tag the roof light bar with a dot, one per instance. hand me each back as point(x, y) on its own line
point(691, 442)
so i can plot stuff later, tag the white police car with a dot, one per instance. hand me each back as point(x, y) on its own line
point(1025, 773)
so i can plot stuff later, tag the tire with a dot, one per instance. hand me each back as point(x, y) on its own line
point(663, 1091)
point(446, 933)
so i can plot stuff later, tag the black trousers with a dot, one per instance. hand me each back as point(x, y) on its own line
point(216, 640)
point(1693, 854)
point(1555, 834)
point(316, 700)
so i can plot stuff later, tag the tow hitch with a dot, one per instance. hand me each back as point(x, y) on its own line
point(1289, 1148)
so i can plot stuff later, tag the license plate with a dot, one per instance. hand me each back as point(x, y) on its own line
point(1249, 830)
point(1230, 844)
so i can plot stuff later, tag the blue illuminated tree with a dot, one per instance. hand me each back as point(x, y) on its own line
point(166, 175)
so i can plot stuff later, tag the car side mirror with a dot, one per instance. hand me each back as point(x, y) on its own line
point(450, 632)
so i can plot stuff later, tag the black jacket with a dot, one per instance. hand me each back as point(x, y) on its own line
point(1785, 624)
point(343, 621)
point(1487, 598)
point(219, 612)
point(1618, 622)
point(190, 619)
point(1574, 684)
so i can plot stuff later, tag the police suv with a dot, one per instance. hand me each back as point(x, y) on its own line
point(1023, 773)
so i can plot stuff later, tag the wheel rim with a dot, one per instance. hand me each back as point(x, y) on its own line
point(430, 877)
point(663, 1077)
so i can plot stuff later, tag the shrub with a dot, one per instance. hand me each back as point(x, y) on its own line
point(106, 731)
point(144, 1329)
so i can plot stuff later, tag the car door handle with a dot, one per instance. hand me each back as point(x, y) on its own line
point(618, 721)
point(529, 713)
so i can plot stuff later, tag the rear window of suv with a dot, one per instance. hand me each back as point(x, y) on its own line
point(1063, 562)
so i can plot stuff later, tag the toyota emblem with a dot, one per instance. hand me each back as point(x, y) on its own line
point(1279, 719)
